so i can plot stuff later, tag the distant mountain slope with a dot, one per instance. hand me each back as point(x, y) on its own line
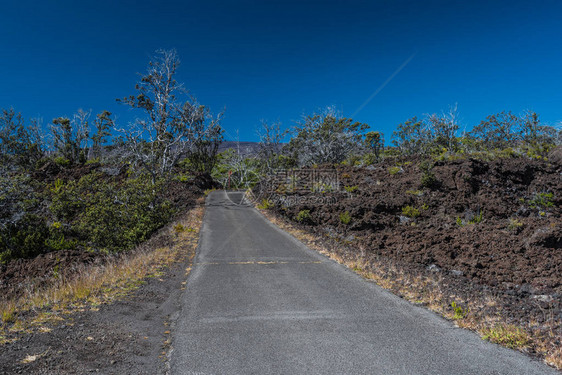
point(245, 148)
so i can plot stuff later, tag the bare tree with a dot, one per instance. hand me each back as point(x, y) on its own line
point(327, 137)
point(535, 134)
point(444, 128)
point(236, 170)
point(205, 144)
point(171, 126)
point(270, 144)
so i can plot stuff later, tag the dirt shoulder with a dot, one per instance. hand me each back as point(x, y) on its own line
point(126, 333)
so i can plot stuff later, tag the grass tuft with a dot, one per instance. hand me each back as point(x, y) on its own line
point(507, 335)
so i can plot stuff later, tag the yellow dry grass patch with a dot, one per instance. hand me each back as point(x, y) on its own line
point(507, 335)
point(99, 284)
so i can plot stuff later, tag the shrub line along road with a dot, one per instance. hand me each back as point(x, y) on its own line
point(260, 302)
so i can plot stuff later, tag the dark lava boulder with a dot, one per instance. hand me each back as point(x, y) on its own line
point(555, 156)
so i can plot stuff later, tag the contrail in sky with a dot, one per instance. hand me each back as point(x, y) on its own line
point(384, 84)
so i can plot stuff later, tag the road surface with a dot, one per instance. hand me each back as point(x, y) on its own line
point(260, 302)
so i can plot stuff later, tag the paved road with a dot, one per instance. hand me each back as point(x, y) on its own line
point(260, 302)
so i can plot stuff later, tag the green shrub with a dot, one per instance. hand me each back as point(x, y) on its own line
point(541, 201)
point(472, 220)
point(25, 239)
point(394, 170)
point(118, 219)
point(66, 199)
point(369, 159)
point(428, 179)
point(514, 225)
point(410, 212)
point(183, 177)
point(106, 215)
point(477, 218)
point(459, 312)
point(345, 218)
point(62, 161)
point(23, 228)
point(57, 240)
point(265, 204)
point(350, 189)
point(303, 216)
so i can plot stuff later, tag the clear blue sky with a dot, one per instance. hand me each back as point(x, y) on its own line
point(279, 59)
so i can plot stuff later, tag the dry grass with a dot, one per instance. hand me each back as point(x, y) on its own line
point(554, 358)
point(507, 335)
point(426, 290)
point(94, 285)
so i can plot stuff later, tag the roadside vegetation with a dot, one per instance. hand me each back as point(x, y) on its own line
point(89, 184)
point(79, 196)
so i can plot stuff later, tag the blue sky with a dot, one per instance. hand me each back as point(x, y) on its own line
point(277, 60)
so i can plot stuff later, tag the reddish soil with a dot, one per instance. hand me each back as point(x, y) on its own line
point(520, 264)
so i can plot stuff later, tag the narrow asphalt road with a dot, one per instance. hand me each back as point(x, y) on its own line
point(259, 302)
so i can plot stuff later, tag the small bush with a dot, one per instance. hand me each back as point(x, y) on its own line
point(428, 179)
point(345, 218)
point(458, 311)
point(179, 228)
point(470, 218)
point(514, 225)
point(395, 170)
point(183, 177)
point(410, 212)
point(265, 204)
point(303, 216)
point(62, 161)
point(477, 218)
point(541, 201)
point(25, 239)
point(350, 189)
